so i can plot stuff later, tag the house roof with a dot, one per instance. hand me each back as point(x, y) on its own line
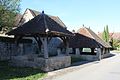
point(86, 38)
point(35, 13)
point(42, 25)
point(17, 19)
point(114, 35)
point(81, 41)
point(89, 33)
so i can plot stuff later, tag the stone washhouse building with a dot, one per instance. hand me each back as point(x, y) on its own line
point(42, 28)
point(30, 47)
point(43, 41)
point(88, 45)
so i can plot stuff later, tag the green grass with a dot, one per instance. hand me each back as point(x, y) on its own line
point(16, 73)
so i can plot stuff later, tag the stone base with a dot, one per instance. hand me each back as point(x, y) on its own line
point(89, 57)
point(106, 55)
point(46, 65)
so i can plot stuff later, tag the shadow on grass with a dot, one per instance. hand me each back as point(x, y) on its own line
point(7, 72)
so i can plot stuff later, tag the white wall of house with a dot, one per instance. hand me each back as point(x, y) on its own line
point(27, 15)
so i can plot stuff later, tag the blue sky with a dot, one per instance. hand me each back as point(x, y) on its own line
point(75, 13)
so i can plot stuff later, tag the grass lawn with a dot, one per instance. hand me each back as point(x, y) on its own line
point(16, 73)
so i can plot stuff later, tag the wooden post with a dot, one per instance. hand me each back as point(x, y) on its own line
point(44, 42)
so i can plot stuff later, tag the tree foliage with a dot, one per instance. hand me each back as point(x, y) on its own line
point(8, 11)
point(116, 43)
point(105, 34)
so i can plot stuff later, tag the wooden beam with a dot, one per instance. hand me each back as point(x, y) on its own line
point(38, 42)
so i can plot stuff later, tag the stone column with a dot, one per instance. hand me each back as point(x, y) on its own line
point(44, 42)
point(77, 51)
point(67, 48)
point(58, 51)
point(99, 53)
point(21, 49)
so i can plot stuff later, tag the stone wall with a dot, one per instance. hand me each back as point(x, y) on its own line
point(11, 49)
point(89, 57)
point(46, 65)
point(8, 49)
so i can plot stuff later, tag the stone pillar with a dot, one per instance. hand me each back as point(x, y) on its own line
point(77, 51)
point(58, 51)
point(21, 49)
point(99, 53)
point(67, 48)
point(44, 42)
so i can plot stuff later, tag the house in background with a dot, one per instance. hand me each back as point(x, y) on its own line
point(114, 35)
point(114, 39)
point(88, 45)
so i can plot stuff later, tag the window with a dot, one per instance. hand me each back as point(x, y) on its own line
point(86, 50)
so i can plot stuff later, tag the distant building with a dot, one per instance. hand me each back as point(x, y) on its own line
point(114, 35)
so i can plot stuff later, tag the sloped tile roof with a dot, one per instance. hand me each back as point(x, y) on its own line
point(40, 24)
point(86, 38)
point(17, 19)
point(114, 35)
point(89, 33)
point(56, 18)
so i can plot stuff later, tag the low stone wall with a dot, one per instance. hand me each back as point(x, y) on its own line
point(46, 65)
point(105, 55)
point(11, 49)
point(94, 57)
point(89, 57)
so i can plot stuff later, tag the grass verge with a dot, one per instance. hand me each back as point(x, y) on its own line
point(16, 73)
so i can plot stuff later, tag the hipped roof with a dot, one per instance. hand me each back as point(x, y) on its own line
point(81, 41)
point(86, 38)
point(41, 24)
point(90, 34)
point(55, 18)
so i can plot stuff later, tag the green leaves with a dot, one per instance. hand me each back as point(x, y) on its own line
point(8, 11)
point(105, 34)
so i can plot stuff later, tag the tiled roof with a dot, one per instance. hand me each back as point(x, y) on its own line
point(89, 33)
point(40, 25)
point(56, 18)
point(86, 38)
point(17, 19)
point(114, 35)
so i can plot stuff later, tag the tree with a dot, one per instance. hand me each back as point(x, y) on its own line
point(8, 11)
point(105, 34)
